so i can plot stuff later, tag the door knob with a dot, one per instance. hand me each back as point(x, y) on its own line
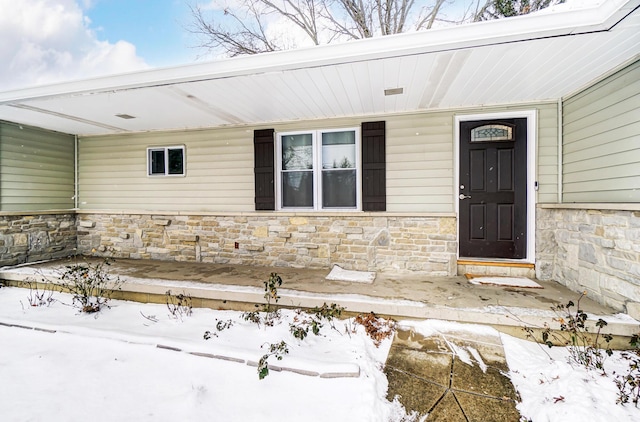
point(463, 196)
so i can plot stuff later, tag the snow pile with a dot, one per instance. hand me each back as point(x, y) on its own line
point(552, 389)
point(338, 273)
point(107, 367)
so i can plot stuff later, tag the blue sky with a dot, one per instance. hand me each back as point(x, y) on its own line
point(155, 27)
point(48, 41)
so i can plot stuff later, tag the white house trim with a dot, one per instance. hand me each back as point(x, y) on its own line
point(532, 142)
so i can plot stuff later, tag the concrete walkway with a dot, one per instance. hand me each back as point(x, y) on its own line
point(451, 377)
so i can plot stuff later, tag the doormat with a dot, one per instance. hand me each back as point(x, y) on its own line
point(503, 281)
point(340, 274)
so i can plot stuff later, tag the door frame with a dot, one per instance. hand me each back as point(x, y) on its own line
point(532, 136)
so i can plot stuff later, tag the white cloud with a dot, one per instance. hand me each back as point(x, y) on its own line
point(46, 41)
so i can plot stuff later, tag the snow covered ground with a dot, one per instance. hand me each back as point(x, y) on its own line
point(108, 366)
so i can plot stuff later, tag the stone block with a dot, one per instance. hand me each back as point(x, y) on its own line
point(307, 229)
point(86, 224)
point(633, 310)
point(305, 245)
point(298, 221)
point(621, 288)
point(618, 305)
point(618, 264)
point(159, 222)
point(352, 230)
point(262, 231)
point(20, 239)
point(154, 250)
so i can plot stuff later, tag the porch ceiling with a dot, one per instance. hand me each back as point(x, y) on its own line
point(526, 59)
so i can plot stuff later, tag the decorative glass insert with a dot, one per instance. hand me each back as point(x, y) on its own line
point(492, 133)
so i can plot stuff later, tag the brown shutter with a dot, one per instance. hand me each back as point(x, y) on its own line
point(264, 171)
point(374, 186)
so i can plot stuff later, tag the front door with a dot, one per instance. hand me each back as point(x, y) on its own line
point(493, 188)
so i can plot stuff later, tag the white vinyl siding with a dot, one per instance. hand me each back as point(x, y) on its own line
point(36, 169)
point(420, 163)
point(601, 140)
point(547, 154)
point(219, 169)
point(219, 172)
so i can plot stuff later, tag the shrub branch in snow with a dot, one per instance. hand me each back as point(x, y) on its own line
point(178, 305)
point(90, 284)
point(303, 322)
point(629, 383)
point(40, 296)
point(585, 348)
point(591, 350)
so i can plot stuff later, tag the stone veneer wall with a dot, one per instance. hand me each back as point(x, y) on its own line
point(35, 236)
point(597, 251)
point(364, 242)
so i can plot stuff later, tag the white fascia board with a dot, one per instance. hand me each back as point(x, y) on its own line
point(520, 28)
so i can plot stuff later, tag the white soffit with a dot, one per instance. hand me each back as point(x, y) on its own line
point(536, 57)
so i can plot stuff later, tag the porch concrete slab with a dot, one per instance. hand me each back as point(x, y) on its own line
point(396, 294)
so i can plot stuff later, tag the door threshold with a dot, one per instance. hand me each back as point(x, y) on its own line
point(499, 268)
point(495, 263)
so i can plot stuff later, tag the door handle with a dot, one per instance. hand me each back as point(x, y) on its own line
point(463, 196)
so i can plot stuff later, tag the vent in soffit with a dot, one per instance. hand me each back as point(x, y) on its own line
point(393, 91)
point(125, 116)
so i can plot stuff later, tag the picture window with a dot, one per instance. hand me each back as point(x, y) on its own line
point(318, 170)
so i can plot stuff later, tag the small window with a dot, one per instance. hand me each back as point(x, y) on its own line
point(492, 133)
point(165, 161)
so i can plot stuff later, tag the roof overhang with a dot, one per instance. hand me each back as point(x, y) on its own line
point(531, 58)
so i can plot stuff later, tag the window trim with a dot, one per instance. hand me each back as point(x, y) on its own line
point(316, 136)
point(166, 161)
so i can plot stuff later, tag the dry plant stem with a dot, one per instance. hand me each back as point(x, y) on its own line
point(179, 305)
point(90, 284)
point(376, 328)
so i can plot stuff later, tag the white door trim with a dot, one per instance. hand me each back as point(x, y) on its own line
point(532, 142)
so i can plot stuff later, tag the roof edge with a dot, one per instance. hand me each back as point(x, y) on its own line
point(536, 25)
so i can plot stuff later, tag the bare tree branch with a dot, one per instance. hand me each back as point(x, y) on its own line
point(303, 15)
point(245, 28)
point(496, 9)
point(245, 39)
point(430, 15)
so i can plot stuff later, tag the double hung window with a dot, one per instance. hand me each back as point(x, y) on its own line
point(319, 169)
point(165, 161)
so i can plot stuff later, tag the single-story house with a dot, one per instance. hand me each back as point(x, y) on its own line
point(501, 147)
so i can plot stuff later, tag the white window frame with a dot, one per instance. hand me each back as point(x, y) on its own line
point(316, 136)
point(166, 161)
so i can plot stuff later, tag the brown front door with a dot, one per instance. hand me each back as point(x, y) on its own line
point(493, 188)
